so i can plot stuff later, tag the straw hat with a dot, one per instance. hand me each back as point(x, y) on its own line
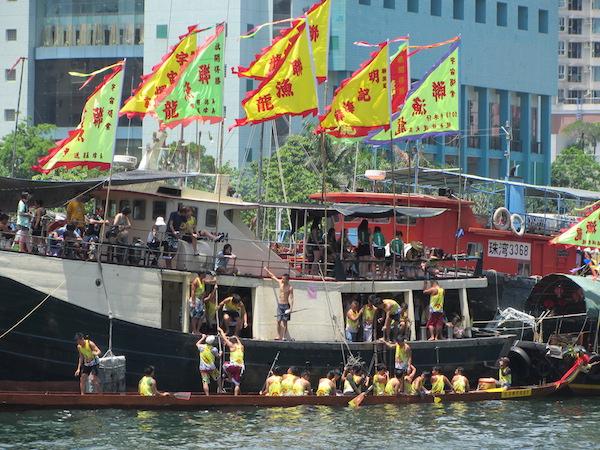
point(417, 245)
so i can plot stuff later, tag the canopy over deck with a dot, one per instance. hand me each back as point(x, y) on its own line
point(566, 294)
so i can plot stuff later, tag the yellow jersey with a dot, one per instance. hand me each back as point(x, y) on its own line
point(459, 385)
point(237, 355)
point(437, 385)
point(390, 386)
point(436, 301)
point(287, 384)
point(379, 384)
point(275, 387)
point(324, 388)
point(145, 386)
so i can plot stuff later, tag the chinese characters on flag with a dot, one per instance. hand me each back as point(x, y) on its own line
point(399, 76)
point(585, 233)
point(318, 25)
point(91, 144)
point(162, 76)
point(431, 108)
point(291, 90)
point(361, 103)
point(198, 91)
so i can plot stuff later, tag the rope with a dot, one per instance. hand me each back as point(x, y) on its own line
point(220, 384)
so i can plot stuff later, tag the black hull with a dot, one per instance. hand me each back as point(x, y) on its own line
point(41, 349)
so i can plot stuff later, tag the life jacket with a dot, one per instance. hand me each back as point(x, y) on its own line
point(86, 351)
point(145, 386)
point(237, 356)
point(378, 385)
point(275, 387)
point(436, 302)
point(437, 385)
point(505, 377)
point(207, 356)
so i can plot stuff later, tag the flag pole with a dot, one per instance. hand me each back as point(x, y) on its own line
point(392, 155)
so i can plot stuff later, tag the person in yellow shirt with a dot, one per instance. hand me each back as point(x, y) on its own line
point(147, 385)
point(288, 380)
point(395, 384)
point(460, 383)
point(353, 321)
point(380, 380)
point(273, 383)
point(234, 313)
point(208, 355)
point(234, 368)
point(436, 310)
point(328, 385)
point(368, 318)
point(76, 212)
point(391, 308)
point(302, 385)
point(439, 382)
point(88, 362)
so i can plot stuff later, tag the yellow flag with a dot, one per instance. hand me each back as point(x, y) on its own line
point(163, 75)
point(290, 90)
point(362, 102)
point(318, 27)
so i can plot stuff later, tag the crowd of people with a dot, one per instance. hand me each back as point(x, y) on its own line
point(391, 316)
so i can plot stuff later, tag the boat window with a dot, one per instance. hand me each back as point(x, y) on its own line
point(112, 208)
point(123, 204)
point(474, 249)
point(139, 209)
point(523, 270)
point(229, 214)
point(403, 218)
point(379, 220)
point(210, 219)
point(159, 209)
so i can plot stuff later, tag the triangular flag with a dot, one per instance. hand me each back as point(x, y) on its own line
point(91, 144)
point(585, 233)
point(361, 103)
point(162, 75)
point(431, 108)
point(198, 92)
point(290, 90)
point(271, 56)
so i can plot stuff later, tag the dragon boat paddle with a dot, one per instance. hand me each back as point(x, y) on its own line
point(356, 401)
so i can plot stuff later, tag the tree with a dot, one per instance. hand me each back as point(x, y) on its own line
point(586, 134)
point(31, 143)
point(574, 167)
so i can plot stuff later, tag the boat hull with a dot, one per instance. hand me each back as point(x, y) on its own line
point(30, 400)
point(41, 352)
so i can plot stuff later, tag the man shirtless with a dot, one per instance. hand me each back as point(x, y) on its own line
point(285, 302)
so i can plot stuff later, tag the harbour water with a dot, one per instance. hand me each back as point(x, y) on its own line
point(550, 423)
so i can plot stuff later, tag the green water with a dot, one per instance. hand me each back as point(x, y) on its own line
point(562, 423)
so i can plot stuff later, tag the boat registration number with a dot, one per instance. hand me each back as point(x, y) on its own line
point(509, 250)
point(514, 393)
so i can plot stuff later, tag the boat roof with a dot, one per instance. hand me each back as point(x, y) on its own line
point(385, 198)
point(590, 288)
point(452, 178)
point(361, 210)
point(56, 193)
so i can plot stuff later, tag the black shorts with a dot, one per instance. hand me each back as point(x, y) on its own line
point(87, 370)
point(232, 314)
point(187, 238)
point(363, 250)
point(379, 253)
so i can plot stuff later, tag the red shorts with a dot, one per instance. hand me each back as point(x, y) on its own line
point(234, 372)
point(436, 320)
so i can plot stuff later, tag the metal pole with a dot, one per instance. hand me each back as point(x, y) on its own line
point(259, 188)
point(14, 152)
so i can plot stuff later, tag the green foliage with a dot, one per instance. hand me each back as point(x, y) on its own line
point(574, 167)
point(585, 134)
point(32, 142)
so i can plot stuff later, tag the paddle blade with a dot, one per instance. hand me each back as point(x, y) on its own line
point(437, 400)
point(356, 401)
point(182, 395)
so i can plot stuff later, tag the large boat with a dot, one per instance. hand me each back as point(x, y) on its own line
point(138, 305)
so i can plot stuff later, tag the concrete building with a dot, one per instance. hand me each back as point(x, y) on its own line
point(508, 52)
point(578, 96)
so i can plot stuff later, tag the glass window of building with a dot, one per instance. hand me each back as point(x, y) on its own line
point(480, 11)
point(561, 95)
point(596, 73)
point(596, 49)
point(389, 4)
point(595, 4)
point(494, 168)
point(595, 25)
point(574, 50)
point(451, 161)
point(436, 8)
point(515, 121)
point(334, 43)
point(574, 74)
point(501, 14)
point(561, 72)
point(458, 9)
point(561, 48)
point(9, 115)
point(494, 118)
point(573, 95)
point(595, 96)
point(11, 34)
point(561, 24)
point(523, 18)
point(473, 165)
point(575, 5)
point(543, 21)
point(412, 6)
point(473, 140)
point(282, 9)
point(10, 74)
point(534, 124)
point(575, 26)
point(162, 31)
point(364, 2)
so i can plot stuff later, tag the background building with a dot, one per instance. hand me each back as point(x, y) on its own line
point(509, 50)
point(578, 67)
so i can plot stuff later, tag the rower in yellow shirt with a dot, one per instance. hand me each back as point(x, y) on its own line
point(302, 384)
point(273, 383)
point(288, 380)
point(460, 383)
point(147, 385)
point(395, 384)
point(328, 385)
point(380, 380)
point(439, 382)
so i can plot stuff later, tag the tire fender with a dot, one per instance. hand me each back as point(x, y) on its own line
point(514, 218)
point(501, 219)
point(519, 358)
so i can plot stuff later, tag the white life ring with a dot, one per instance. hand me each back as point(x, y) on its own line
point(517, 224)
point(501, 219)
